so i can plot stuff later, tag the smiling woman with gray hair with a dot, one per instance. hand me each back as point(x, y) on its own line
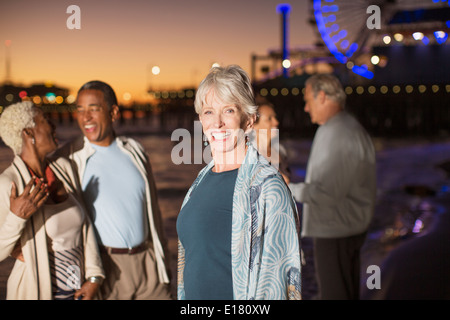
point(238, 225)
point(43, 224)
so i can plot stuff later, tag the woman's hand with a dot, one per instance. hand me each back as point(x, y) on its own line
point(17, 252)
point(87, 291)
point(29, 201)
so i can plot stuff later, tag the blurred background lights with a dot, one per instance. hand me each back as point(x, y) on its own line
point(215, 65)
point(37, 100)
point(59, 99)
point(189, 94)
point(359, 90)
point(398, 37)
point(127, 96)
point(375, 59)
point(283, 7)
point(70, 99)
point(417, 35)
point(22, 94)
point(50, 96)
point(348, 90)
point(156, 70)
point(387, 39)
point(9, 97)
point(440, 36)
point(286, 63)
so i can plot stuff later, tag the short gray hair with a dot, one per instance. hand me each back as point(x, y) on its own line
point(232, 85)
point(329, 84)
point(13, 120)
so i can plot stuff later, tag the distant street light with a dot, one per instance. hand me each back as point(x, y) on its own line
point(156, 70)
point(151, 72)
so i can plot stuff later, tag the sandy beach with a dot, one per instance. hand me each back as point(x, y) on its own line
point(400, 163)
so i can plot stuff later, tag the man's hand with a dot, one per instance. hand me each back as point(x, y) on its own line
point(87, 291)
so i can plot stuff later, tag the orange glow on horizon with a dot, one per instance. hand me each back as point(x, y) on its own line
point(119, 42)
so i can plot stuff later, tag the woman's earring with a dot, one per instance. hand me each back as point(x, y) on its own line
point(33, 141)
point(205, 140)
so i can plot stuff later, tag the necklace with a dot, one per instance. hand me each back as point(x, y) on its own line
point(49, 176)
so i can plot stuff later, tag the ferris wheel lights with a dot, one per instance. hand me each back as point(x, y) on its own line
point(330, 18)
point(333, 28)
point(352, 49)
point(344, 44)
point(332, 8)
point(339, 56)
point(362, 71)
point(337, 37)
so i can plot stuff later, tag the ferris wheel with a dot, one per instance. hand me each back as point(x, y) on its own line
point(343, 27)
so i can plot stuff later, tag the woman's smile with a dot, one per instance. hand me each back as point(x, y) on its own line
point(220, 135)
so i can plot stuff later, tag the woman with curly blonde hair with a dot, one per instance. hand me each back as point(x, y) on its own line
point(43, 224)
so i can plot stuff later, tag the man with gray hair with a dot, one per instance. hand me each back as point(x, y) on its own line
point(338, 194)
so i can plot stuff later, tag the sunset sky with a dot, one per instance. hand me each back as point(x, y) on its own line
point(120, 41)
